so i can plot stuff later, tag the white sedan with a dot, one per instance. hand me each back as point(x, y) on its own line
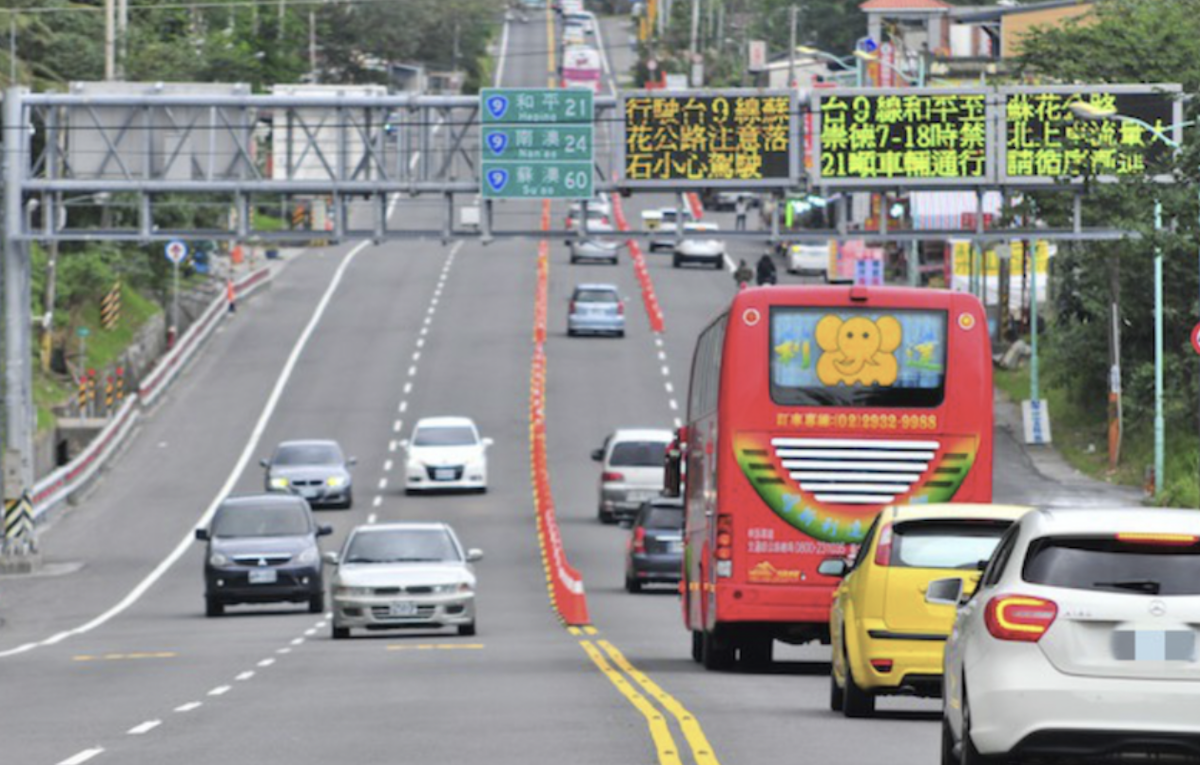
point(1080, 641)
point(695, 247)
point(445, 453)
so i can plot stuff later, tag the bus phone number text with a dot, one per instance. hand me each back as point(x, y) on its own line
point(853, 421)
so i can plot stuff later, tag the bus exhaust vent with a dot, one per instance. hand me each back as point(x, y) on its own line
point(851, 471)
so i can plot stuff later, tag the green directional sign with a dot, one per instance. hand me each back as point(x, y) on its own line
point(537, 180)
point(537, 143)
point(525, 106)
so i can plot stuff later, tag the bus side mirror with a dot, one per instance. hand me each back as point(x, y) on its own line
point(673, 471)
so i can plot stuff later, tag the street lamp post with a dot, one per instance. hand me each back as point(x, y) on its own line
point(1089, 112)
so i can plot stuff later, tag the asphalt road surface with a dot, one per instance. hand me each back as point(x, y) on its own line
point(106, 656)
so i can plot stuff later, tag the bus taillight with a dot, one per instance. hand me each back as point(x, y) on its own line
point(724, 551)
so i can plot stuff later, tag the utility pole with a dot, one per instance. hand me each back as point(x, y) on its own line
point(312, 44)
point(694, 47)
point(122, 41)
point(792, 48)
point(110, 41)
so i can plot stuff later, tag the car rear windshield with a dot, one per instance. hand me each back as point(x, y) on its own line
point(638, 454)
point(1111, 565)
point(402, 546)
point(595, 296)
point(258, 521)
point(308, 454)
point(444, 436)
point(938, 544)
point(664, 518)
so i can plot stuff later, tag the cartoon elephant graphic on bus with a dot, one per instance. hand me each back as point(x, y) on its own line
point(858, 351)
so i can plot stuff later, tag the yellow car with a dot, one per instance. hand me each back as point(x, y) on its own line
point(887, 640)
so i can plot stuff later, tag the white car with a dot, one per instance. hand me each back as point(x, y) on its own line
point(664, 231)
point(809, 258)
point(1080, 640)
point(695, 247)
point(445, 453)
point(632, 464)
point(403, 575)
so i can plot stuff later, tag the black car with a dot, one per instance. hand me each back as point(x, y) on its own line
point(655, 549)
point(263, 549)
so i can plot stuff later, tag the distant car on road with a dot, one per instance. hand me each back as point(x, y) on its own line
point(403, 575)
point(594, 249)
point(809, 259)
point(598, 220)
point(262, 549)
point(1080, 641)
point(886, 639)
point(696, 247)
point(314, 469)
point(596, 309)
point(446, 453)
point(654, 552)
point(664, 224)
point(632, 462)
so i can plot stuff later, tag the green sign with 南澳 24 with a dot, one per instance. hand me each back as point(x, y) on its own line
point(538, 143)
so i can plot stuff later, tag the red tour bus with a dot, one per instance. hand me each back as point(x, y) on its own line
point(581, 68)
point(810, 409)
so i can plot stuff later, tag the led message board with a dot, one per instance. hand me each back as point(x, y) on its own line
point(721, 138)
point(1102, 132)
point(902, 137)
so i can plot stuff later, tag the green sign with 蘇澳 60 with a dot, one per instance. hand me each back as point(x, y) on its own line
point(538, 143)
point(525, 106)
point(537, 180)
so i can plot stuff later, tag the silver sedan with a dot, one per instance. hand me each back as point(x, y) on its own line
point(403, 575)
point(315, 470)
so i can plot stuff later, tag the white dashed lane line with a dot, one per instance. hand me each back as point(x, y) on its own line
point(392, 446)
point(377, 501)
point(403, 406)
point(382, 484)
point(82, 757)
point(387, 466)
point(144, 728)
point(396, 426)
point(266, 662)
point(372, 518)
point(188, 707)
point(245, 676)
point(298, 641)
point(284, 651)
point(407, 388)
point(220, 690)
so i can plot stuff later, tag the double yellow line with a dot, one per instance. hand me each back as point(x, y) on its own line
point(605, 655)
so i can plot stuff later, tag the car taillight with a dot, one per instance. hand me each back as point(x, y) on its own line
point(883, 551)
point(1149, 538)
point(611, 476)
point(882, 665)
point(639, 540)
point(620, 309)
point(571, 308)
point(1019, 617)
point(724, 549)
point(604, 220)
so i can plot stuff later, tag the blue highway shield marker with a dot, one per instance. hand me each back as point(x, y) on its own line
point(497, 142)
point(497, 179)
point(497, 105)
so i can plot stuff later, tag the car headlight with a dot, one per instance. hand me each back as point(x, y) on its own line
point(310, 555)
point(279, 483)
point(218, 559)
point(336, 481)
point(351, 592)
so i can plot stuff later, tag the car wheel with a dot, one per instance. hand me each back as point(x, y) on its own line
point(613, 262)
point(632, 584)
point(837, 697)
point(858, 703)
point(620, 333)
point(718, 265)
point(340, 633)
point(316, 604)
point(574, 260)
point(606, 518)
point(213, 607)
point(697, 646)
point(677, 262)
point(349, 502)
point(717, 653)
point(948, 757)
point(466, 630)
point(571, 333)
point(756, 652)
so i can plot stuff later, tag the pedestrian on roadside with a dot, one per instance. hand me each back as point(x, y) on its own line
point(743, 274)
point(740, 208)
point(230, 294)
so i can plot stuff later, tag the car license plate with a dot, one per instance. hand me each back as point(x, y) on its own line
point(1154, 645)
point(308, 493)
point(403, 608)
point(444, 474)
point(675, 547)
point(263, 576)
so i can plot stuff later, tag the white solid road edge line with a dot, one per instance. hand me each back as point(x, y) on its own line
point(503, 54)
point(83, 756)
point(247, 454)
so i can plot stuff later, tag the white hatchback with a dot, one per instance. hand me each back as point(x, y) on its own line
point(445, 453)
point(1080, 641)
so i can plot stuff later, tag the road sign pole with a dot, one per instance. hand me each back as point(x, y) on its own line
point(18, 320)
point(1159, 425)
point(173, 332)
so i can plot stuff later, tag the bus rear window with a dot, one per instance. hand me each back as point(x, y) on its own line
point(857, 357)
point(1111, 565)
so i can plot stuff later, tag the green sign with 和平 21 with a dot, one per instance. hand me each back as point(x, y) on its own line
point(909, 137)
point(1103, 132)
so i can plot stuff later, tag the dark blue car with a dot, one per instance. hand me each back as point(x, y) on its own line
point(655, 550)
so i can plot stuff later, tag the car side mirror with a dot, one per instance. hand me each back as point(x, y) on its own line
point(330, 557)
point(598, 455)
point(352, 462)
point(835, 567)
point(944, 592)
point(474, 555)
point(487, 442)
point(202, 535)
point(324, 531)
point(265, 462)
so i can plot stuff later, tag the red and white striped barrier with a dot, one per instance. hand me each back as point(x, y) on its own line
point(649, 298)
